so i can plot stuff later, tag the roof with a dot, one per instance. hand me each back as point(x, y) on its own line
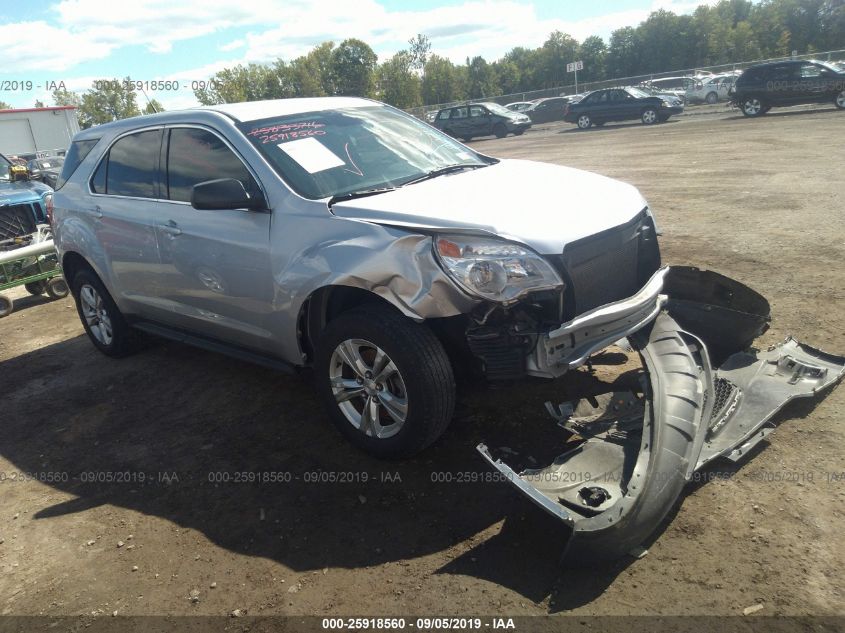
point(16, 110)
point(255, 110)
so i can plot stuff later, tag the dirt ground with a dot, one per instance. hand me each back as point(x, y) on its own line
point(759, 200)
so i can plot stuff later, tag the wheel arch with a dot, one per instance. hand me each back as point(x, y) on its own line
point(326, 304)
point(72, 263)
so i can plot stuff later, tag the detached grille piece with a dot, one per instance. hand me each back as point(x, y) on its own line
point(608, 266)
point(16, 220)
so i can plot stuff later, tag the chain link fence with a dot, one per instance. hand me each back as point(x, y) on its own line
point(569, 89)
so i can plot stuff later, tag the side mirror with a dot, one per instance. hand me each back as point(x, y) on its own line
point(224, 193)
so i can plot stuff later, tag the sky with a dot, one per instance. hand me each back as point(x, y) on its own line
point(45, 42)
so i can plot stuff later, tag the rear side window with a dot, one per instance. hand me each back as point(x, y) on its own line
point(195, 156)
point(133, 164)
point(75, 155)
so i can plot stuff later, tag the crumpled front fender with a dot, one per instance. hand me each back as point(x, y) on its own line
point(631, 454)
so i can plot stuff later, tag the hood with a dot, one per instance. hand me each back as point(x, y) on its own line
point(541, 205)
point(21, 191)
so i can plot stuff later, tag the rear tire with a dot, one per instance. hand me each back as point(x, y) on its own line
point(6, 306)
point(57, 288)
point(711, 98)
point(585, 122)
point(386, 381)
point(752, 107)
point(35, 288)
point(839, 100)
point(101, 317)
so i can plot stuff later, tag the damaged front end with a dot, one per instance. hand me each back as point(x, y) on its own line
point(703, 394)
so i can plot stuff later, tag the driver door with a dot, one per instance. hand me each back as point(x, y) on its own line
point(217, 278)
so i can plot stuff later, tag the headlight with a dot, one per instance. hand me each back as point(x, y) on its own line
point(666, 104)
point(495, 270)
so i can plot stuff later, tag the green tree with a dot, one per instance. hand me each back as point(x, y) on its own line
point(152, 107)
point(480, 79)
point(593, 52)
point(353, 66)
point(5, 106)
point(109, 101)
point(623, 54)
point(399, 85)
point(420, 49)
point(441, 81)
point(242, 83)
point(66, 98)
point(556, 52)
point(39, 103)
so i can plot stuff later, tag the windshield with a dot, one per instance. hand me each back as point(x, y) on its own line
point(495, 108)
point(335, 152)
point(636, 92)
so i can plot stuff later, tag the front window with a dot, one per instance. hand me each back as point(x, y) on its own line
point(334, 152)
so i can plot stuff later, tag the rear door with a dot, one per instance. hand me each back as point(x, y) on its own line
point(124, 192)
point(216, 275)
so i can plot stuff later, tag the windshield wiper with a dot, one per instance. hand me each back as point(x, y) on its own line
point(440, 172)
point(363, 193)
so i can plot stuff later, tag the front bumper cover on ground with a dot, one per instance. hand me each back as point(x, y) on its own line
point(705, 394)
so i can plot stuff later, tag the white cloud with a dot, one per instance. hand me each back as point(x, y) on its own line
point(232, 46)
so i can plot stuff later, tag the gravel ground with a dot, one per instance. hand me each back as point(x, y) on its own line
point(759, 200)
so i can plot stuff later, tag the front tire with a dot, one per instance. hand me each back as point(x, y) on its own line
point(386, 381)
point(500, 130)
point(650, 116)
point(839, 101)
point(585, 122)
point(711, 98)
point(100, 316)
point(752, 107)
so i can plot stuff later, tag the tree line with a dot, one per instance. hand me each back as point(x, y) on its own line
point(730, 31)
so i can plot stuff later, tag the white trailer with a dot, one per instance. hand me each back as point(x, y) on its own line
point(37, 132)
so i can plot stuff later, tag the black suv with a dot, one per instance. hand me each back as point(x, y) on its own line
point(785, 83)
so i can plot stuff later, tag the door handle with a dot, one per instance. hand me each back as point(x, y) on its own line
point(170, 228)
point(97, 212)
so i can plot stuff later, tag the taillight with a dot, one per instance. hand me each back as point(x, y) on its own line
point(566, 109)
point(48, 202)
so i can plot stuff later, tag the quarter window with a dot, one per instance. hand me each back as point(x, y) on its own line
point(132, 165)
point(195, 156)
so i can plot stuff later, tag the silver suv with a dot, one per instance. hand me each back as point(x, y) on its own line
point(344, 235)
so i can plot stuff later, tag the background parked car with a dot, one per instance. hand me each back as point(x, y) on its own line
point(481, 119)
point(785, 83)
point(519, 106)
point(671, 97)
point(545, 110)
point(677, 86)
point(620, 104)
point(46, 170)
point(711, 89)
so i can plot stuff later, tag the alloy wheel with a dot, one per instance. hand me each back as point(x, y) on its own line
point(96, 315)
point(752, 107)
point(368, 388)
